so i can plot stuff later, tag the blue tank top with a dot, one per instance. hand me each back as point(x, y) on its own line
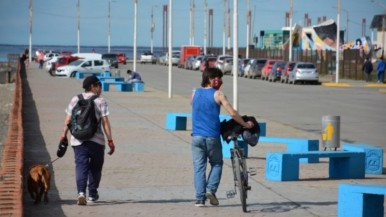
point(205, 114)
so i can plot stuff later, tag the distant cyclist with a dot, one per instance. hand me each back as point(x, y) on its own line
point(206, 143)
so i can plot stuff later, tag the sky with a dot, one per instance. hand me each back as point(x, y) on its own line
point(55, 21)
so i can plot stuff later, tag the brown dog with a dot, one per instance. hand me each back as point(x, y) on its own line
point(39, 179)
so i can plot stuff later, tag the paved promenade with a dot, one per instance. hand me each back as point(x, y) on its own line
point(150, 174)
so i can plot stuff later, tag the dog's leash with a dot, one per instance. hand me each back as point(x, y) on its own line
point(47, 165)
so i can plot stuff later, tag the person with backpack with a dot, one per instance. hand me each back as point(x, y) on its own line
point(86, 115)
point(367, 68)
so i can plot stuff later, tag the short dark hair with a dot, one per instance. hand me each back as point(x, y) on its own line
point(129, 71)
point(210, 73)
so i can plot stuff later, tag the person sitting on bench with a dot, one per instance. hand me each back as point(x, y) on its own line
point(134, 77)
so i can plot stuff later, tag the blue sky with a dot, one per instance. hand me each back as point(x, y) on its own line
point(55, 21)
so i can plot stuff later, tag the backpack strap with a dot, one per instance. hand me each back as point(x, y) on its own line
point(80, 96)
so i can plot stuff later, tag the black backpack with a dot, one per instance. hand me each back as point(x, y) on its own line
point(84, 123)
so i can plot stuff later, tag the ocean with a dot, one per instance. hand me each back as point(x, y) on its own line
point(6, 49)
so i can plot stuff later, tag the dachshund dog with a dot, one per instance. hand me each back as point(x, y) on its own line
point(39, 179)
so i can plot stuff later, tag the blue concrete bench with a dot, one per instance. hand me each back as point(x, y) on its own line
point(81, 75)
point(120, 85)
point(361, 200)
point(178, 121)
point(138, 86)
point(296, 145)
point(103, 78)
point(284, 166)
point(374, 156)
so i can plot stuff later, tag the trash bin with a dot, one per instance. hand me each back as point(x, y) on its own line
point(330, 132)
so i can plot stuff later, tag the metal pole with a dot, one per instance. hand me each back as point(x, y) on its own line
point(78, 7)
point(290, 32)
point(193, 15)
point(135, 36)
point(248, 30)
point(152, 26)
point(235, 53)
point(337, 44)
point(109, 36)
point(30, 32)
point(190, 23)
point(224, 27)
point(170, 47)
point(205, 26)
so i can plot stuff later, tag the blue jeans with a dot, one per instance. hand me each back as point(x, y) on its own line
point(89, 158)
point(381, 76)
point(204, 149)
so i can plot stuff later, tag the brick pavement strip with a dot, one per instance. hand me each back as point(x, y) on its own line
point(151, 172)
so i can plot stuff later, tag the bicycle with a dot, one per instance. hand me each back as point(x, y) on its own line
point(240, 173)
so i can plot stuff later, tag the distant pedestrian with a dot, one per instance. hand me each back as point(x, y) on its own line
point(206, 142)
point(133, 77)
point(23, 60)
point(381, 68)
point(367, 68)
point(89, 154)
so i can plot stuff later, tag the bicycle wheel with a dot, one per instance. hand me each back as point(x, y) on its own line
point(240, 176)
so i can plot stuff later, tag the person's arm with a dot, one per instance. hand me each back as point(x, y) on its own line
point(222, 100)
point(107, 129)
point(65, 129)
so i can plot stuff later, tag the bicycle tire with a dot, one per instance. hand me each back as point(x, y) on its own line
point(240, 180)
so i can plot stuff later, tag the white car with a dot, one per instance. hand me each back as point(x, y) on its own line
point(148, 57)
point(49, 56)
point(83, 65)
point(49, 62)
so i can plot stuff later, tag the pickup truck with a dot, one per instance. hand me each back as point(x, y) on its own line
point(148, 57)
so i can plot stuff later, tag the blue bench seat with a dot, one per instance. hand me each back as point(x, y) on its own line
point(115, 78)
point(119, 85)
point(178, 121)
point(361, 200)
point(374, 156)
point(284, 166)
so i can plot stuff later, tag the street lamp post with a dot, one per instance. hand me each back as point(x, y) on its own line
point(78, 9)
point(337, 44)
point(30, 31)
point(135, 37)
point(109, 36)
point(290, 32)
point(152, 27)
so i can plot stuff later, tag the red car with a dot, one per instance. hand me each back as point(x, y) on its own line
point(267, 68)
point(121, 58)
point(62, 61)
point(210, 61)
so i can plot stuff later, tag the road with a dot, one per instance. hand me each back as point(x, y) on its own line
point(362, 110)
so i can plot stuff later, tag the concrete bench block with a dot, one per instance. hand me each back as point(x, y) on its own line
point(178, 121)
point(138, 86)
point(296, 145)
point(361, 200)
point(81, 75)
point(120, 85)
point(284, 166)
point(374, 156)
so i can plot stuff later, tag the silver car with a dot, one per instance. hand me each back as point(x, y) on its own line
point(304, 72)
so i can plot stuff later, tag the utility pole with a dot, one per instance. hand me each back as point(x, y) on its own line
point(170, 48)
point(205, 25)
point(135, 36)
point(152, 27)
point(109, 36)
point(224, 26)
point(78, 7)
point(290, 32)
point(337, 44)
point(248, 30)
point(235, 53)
point(30, 31)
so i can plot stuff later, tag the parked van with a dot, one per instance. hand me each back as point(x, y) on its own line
point(83, 65)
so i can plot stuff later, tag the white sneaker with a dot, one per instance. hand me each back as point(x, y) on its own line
point(81, 199)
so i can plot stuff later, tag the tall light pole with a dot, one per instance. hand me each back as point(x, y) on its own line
point(205, 26)
point(152, 27)
point(224, 26)
point(290, 32)
point(248, 30)
point(78, 8)
point(135, 36)
point(109, 36)
point(235, 53)
point(30, 31)
point(337, 43)
point(170, 48)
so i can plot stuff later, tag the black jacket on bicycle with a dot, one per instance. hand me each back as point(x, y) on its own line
point(231, 128)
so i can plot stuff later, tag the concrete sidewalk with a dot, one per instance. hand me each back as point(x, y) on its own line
point(151, 172)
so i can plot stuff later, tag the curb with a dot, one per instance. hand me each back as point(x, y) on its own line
point(332, 84)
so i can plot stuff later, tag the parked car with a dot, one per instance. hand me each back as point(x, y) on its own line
point(254, 70)
point(267, 68)
point(122, 58)
point(227, 65)
point(111, 58)
point(209, 61)
point(241, 66)
point(60, 61)
point(148, 57)
point(220, 61)
point(82, 65)
point(276, 71)
point(197, 62)
point(189, 62)
point(50, 55)
point(285, 74)
point(304, 72)
point(175, 59)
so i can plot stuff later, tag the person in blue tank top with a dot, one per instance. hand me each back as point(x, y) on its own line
point(206, 143)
